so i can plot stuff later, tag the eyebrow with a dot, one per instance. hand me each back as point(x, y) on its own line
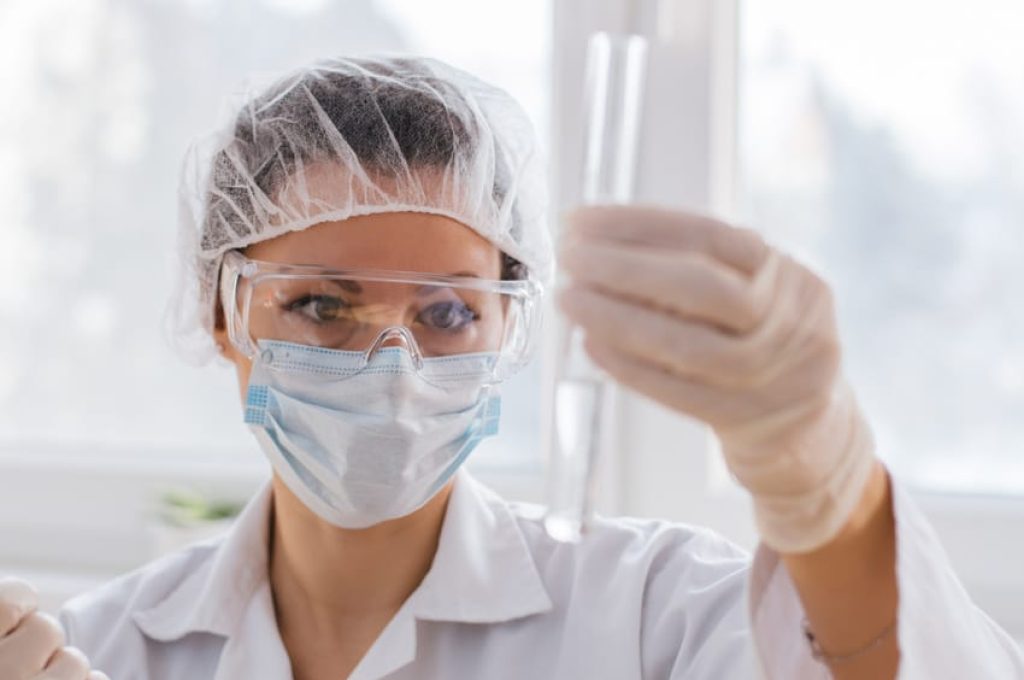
point(427, 289)
point(347, 284)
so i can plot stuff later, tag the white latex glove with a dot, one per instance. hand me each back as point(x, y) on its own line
point(710, 321)
point(32, 643)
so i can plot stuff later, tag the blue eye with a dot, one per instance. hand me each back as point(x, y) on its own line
point(447, 316)
point(319, 308)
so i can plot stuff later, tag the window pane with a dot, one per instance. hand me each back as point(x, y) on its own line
point(883, 142)
point(101, 98)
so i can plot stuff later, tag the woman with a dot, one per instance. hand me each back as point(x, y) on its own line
point(367, 249)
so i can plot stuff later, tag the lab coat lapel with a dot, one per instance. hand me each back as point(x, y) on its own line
point(255, 649)
point(483, 571)
point(213, 598)
point(230, 597)
point(393, 649)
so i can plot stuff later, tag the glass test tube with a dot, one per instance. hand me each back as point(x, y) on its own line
point(615, 69)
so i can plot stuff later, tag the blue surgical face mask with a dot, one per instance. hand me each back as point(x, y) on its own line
point(364, 442)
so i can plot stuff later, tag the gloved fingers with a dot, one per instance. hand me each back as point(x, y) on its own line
point(792, 355)
point(686, 283)
point(718, 407)
point(97, 675)
point(741, 249)
point(26, 650)
point(67, 663)
point(18, 599)
point(797, 346)
point(756, 417)
point(683, 347)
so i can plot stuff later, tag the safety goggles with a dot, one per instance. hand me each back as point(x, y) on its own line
point(361, 310)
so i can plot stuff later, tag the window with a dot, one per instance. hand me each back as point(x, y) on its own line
point(101, 101)
point(883, 141)
point(940, 292)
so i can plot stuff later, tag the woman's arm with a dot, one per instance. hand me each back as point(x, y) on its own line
point(848, 588)
point(714, 323)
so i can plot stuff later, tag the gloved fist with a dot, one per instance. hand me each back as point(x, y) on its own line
point(32, 644)
point(709, 320)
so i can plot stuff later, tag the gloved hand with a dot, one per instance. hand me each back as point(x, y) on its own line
point(32, 643)
point(711, 321)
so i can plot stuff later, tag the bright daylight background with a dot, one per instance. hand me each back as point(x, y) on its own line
point(881, 140)
point(101, 98)
point(885, 142)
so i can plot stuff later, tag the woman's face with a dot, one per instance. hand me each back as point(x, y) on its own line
point(408, 242)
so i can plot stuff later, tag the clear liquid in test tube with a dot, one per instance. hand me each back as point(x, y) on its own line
point(613, 98)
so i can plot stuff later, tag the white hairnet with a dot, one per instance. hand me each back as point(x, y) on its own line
point(348, 137)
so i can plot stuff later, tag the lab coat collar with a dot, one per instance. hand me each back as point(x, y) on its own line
point(483, 572)
point(213, 598)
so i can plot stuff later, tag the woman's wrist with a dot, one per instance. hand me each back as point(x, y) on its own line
point(848, 587)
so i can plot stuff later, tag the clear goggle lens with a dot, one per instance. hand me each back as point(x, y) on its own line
point(354, 310)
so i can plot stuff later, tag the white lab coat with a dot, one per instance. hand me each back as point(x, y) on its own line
point(637, 599)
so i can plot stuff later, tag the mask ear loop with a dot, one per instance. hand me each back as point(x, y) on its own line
point(402, 335)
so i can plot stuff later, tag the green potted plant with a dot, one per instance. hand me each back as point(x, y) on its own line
point(187, 517)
